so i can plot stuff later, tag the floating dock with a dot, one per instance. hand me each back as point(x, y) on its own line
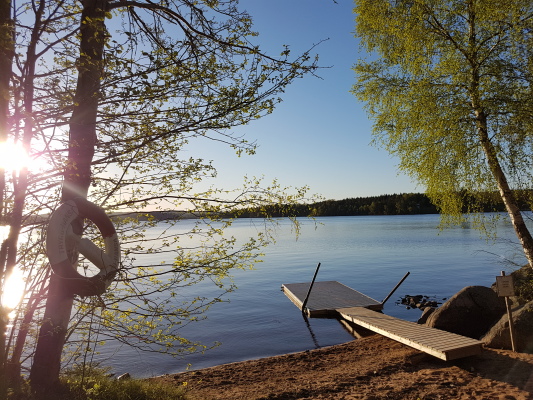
point(333, 299)
point(326, 297)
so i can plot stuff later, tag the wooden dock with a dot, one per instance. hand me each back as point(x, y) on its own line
point(326, 297)
point(333, 299)
point(438, 343)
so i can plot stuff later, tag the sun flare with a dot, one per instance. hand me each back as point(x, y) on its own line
point(13, 289)
point(13, 157)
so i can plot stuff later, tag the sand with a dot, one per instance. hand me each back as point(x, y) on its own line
point(370, 368)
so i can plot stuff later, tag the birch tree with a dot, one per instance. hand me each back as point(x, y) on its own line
point(448, 85)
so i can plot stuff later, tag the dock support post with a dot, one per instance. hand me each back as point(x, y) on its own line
point(395, 287)
point(310, 288)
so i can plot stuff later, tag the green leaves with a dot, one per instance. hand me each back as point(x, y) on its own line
point(449, 90)
point(139, 86)
point(435, 59)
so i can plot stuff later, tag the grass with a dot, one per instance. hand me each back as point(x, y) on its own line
point(96, 384)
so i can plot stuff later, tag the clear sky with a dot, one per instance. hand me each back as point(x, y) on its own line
point(320, 134)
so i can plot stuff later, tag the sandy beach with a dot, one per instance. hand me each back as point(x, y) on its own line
point(370, 368)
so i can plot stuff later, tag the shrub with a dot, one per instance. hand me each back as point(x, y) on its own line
point(96, 384)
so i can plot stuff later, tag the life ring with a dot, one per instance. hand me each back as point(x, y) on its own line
point(60, 239)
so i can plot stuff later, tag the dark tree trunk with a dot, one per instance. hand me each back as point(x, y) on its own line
point(77, 178)
point(6, 59)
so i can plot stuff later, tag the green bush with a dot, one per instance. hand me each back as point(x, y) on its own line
point(96, 384)
point(523, 284)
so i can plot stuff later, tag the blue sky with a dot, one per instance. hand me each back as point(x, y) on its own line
point(320, 134)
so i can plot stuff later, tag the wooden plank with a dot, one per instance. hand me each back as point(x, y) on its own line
point(439, 343)
point(326, 297)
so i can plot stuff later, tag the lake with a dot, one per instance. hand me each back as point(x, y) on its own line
point(368, 253)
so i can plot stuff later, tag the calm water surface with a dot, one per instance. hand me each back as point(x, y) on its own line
point(370, 254)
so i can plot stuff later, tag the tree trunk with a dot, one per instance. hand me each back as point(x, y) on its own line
point(6, 58)
point(506, 193)
point(77, 178)
point(14, 364)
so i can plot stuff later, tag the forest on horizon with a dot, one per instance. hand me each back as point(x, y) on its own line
point(388, 204)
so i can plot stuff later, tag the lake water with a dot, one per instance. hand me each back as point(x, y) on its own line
point(368, 253)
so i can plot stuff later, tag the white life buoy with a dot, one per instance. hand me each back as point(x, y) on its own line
point(60, 239)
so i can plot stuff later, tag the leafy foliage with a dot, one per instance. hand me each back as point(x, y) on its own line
point(94, 383)
point(106, 97)
point(449, 88)
point(523, 284)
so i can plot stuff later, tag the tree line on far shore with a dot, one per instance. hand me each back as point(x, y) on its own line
point(388, 204)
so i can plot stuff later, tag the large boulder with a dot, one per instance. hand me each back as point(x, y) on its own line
point(470, 312)
point(499, 336)
point(425, 315)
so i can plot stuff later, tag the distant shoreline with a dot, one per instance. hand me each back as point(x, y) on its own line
point(390, 204)
point(393, 204)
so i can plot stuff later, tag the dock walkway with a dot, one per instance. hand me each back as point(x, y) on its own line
point(333, 299)
point(438, 343)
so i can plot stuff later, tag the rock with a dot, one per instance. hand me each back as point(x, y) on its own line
point(425, 314)
point(470, 312)
point(499, 337)
point(419, 301)
point(124, 377)
point(415, 300)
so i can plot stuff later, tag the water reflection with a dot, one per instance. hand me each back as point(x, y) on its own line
point(313, 336)
point(355, 330)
